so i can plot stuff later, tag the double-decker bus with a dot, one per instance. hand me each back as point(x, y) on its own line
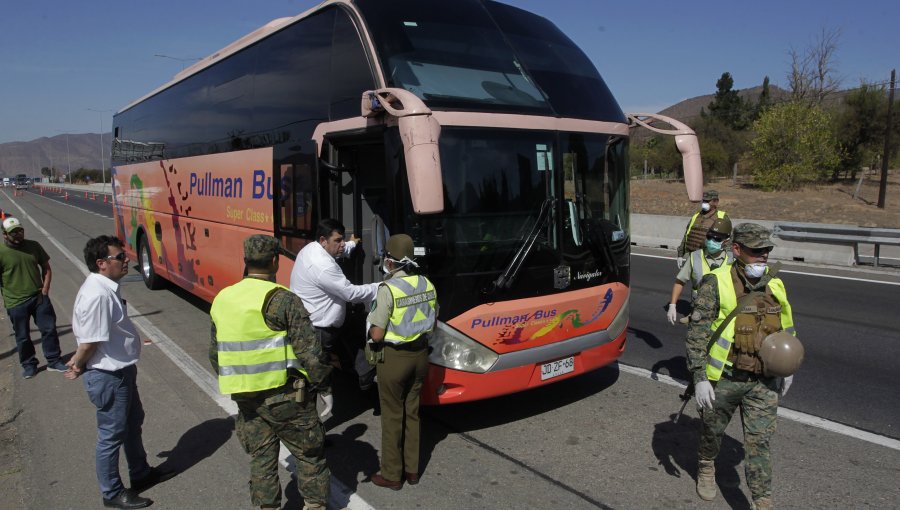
point(476, 127)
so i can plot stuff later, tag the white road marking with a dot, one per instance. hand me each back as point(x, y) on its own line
point(341, 496)
point(789, 414)
point(785, 271)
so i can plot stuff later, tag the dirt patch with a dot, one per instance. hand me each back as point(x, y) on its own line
point(832, 203)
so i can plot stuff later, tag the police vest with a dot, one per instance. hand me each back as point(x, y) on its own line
point(252, 357)
point(415, 301)
point(695, 237)
point(700, 268)
point(720, 349)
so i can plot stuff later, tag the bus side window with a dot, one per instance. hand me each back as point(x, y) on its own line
point(298, 189)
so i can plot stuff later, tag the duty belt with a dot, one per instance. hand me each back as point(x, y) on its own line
point(738, 375)
point(416, 345)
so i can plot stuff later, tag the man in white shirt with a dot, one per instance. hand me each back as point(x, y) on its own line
point(324, 289)
point(108, 351)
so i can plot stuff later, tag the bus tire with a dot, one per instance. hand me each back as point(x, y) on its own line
point(145, 264)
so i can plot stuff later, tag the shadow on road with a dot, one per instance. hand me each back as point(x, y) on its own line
point(197, 443)
point(675, 367)
point(675, 447)
point(649, 338)
point(441, 421)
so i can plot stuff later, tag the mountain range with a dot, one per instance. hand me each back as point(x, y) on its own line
point(61, 152)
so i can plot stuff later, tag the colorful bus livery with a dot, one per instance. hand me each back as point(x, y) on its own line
point(176, 215)
point(477, 128)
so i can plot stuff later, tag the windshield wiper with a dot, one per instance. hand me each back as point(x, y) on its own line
point(505, 280)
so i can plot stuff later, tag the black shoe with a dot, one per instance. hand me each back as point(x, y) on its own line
point(29, 371)
point(155, 476)
point(127, 499)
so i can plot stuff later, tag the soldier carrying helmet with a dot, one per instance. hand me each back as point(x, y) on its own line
point(742, 352)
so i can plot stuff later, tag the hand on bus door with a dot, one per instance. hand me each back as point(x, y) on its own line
point(705, 394)
point(672, 314)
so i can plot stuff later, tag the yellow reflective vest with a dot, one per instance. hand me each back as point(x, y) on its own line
point(414, 310)
point(718, 352)
point(700, 268)
point(252, 357)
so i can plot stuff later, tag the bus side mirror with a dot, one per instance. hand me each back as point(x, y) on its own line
point(687, 144)
point(420, 135)
point(689, 147)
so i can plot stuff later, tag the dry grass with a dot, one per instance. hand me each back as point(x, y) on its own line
point(833, 203)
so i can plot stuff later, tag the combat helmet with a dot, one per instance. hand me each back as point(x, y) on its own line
point(781, 354)
point(721, 226)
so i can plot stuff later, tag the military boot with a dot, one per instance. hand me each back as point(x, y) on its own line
point(706, 479)
point(763, 504)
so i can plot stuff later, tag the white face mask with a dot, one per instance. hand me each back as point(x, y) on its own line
point(704, 207)
point(756, 270)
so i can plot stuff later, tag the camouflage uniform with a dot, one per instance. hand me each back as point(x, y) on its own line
point(757, 396)
point(267, 417)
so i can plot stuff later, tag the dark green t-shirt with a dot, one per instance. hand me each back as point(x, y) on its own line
point(20, 271)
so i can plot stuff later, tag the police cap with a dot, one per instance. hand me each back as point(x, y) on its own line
point(752, 235)
point(260, 248)
point(400, 246)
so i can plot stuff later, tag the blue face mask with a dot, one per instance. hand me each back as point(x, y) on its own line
point(713, 246)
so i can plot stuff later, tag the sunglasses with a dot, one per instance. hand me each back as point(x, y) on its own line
point(717, 238)
point(757, 251)
point(121, 256)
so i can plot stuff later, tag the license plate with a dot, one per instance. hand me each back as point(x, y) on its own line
point(557, 368)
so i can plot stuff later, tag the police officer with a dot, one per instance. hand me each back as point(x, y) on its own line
point(401, 319)
point(736, 308)
point(701, 262)
point(701, 221)
point(268, 359)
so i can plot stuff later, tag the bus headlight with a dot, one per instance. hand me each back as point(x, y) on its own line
point(620, 322)
point(452, 349)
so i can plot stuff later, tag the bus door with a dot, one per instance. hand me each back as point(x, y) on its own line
point(352, 173)
point(355, 173)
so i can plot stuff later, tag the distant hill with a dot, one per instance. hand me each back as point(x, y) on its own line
point(29, 157)
point(689, 109)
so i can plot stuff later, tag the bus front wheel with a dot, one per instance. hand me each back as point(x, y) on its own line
point(152, 280)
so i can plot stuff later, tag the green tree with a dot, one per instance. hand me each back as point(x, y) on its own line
point(727, 106)
point(795, 144)
point(764, 101)
point(716, 135)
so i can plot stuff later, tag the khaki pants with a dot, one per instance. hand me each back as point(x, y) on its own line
point(400, 380)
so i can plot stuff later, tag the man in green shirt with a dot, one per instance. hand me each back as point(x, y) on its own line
point(25, 278)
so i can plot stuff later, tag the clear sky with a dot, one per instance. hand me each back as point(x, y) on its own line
point(58, 59)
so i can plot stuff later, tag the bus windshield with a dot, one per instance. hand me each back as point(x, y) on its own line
point(509, 60)
point(493, 200)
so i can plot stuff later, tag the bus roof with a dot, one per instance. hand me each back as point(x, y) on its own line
point(232, 48)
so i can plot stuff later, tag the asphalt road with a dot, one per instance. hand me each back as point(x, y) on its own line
point(602, 440)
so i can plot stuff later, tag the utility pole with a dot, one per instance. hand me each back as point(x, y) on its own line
point(886, 157)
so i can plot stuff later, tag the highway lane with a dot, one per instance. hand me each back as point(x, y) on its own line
point(603, 440)
point(850, 330)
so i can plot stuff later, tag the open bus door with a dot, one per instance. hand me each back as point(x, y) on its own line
point(353, 190)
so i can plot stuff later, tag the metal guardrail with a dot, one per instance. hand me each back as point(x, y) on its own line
point(839, 234)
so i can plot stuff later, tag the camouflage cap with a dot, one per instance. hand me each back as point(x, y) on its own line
point(710, 194)
point(261, 248)
point(752, 235)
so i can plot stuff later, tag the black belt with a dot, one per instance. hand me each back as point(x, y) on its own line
point(739, 375)
point(418, 344)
